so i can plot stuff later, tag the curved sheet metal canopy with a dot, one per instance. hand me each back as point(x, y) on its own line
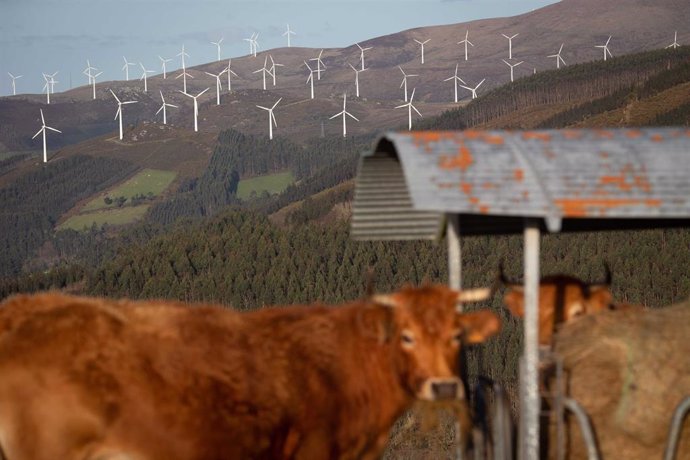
point(569, 179)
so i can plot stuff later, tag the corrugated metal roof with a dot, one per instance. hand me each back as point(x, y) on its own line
point(569, 178)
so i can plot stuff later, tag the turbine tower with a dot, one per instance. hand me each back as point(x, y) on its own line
point(361, 53)
point(43, 130)
point(310, 78)
point(410, 108)
point(50, 82)
point(218, 46)
point(196, 107)
point(273, 69)
point(93, 83)
point(229, 78)
point(263, 71)
point(271, 118)
point(474, 90)
point(404, 80)
point(255, 43)
point(14, 84)
point(512, 66)
point(219, 86)
point(163, 62)
point(319, 63)
point(126, 67)
point(119, 109)
point(455, 79)
point(510, 44)
point(605, 48)
point(558, 57)
point(252, 43)
point(88, 69)
point(165, 104)
point(675, 44)
point(345, 114)
point(143, 77)
point(288, 32)
point(466, 41)
point(356, 78)
point(422, 45)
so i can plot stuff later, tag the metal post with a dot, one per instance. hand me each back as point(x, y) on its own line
point(531, 402)
point(454, 255)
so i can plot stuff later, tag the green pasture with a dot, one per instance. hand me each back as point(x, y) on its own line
point(114, 216)
point(147, 181)
point(272, 183)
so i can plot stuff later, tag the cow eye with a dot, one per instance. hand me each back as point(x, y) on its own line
point(407, 339)
point(457, 338)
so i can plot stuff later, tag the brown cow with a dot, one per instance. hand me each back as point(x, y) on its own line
point(86, 378)
point(561, 299)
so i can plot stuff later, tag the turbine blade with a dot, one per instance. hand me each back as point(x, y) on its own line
point(336, 115)
point(43, 120)
point(261, 107)
point(415, 109)
point(202, 92)
point(352, 116)
point(53, 129)
point(401, 106)
point(39, 132)
point(117, 114)
point(159, 110)
point(274, 105)
point(116, 98)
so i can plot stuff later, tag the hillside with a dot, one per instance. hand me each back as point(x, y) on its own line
point(580, 24)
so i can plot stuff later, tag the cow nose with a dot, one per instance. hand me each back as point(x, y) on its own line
point(444, 390)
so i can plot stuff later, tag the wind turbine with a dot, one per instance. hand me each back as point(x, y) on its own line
point(273, 69)
point(558, 57)
point(605, 47)
point(675, 44)
point(410, 108)
point(422, 45)
point(43, 130)
point(182, 55)
point(163, 62)
point(510, 44)
point(474, 90)
point(230, 72)
point(455, 79)
point(50, 81)
point(271, 117)
point(512, 66)
point(255, 43)
point(88, 69)
point(319, 63)
point(93, 83)
point(218, 46)
point(345, 114)
point(126, 67)
point(184, 76)
point(251, 44)
point(196, 107)
point(143, 77)
point(165, 104)
point(361, 53)
point(404, 80)
point(466, 41)
point(14, 84)
point(219, 86)
point(356, 78)
point(310, 78)
point(119, 109)
point(263, 71)
point(288, 32)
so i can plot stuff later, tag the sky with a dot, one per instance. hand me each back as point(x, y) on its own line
point(60, 35)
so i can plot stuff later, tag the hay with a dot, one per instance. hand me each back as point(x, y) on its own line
point(629, 370)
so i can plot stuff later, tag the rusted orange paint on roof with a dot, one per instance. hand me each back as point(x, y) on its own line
point(484, 209)
point(474, 200)
point(620, 181)
point(549, 154)
point(431, 136)
point(488, 185)
point(604, 134)
point(571, 134)
point(642, 183)
point(604, 154)
point(657, 138)
point(582, 207)
point(518, 174)
point(462, 160)
point(476, 135)
point(529, 135)
point(633, 134)
point(466, 188)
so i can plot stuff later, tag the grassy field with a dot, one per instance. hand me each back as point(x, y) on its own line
point(119, 216)
point(147, 181)
point(272, 183)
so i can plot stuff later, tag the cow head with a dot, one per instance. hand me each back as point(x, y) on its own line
point(427, 333)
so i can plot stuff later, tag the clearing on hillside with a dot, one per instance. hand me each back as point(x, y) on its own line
point(147, 181)
point(117, 216)
point(271, 183)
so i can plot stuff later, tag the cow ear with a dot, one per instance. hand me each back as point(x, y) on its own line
point(514, 301)
point(479, 325)
point(376, 322)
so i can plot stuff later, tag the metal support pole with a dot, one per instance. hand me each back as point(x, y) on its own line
point(531, 402)
point(675, 429)
point(454, 255)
